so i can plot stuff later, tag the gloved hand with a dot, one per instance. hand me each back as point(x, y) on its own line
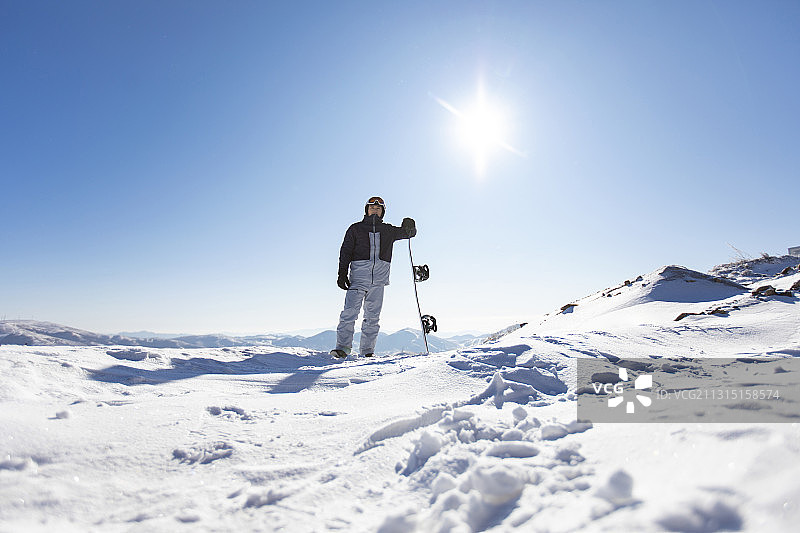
point(343, 282)
point(410, 226)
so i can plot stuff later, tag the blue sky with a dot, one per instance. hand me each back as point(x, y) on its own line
point(192, 166)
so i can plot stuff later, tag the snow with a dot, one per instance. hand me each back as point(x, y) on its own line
point(484, 438)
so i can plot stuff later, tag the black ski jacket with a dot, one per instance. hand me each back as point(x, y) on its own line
point(367, 250)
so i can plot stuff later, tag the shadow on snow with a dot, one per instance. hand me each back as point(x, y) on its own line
point(299, 372)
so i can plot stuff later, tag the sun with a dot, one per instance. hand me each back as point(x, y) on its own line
point(481, 129)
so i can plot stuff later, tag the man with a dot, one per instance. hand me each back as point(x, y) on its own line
point(366, 254)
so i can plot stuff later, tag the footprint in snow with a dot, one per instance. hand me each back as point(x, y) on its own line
point(18, 464)
point(229, 412)
point(204, 453)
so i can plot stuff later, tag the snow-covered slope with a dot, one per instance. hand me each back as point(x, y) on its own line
point(479, 439)
point(653, 297)
point(36, 333)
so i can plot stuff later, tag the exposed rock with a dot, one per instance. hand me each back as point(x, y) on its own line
point(568, 308)
point(765, 290)
point(769, 290)
point(718, 312)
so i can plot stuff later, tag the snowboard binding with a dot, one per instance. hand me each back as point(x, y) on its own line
point(428, 323)
point(421, 273)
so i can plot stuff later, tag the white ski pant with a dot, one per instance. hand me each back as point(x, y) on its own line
point(372, 299)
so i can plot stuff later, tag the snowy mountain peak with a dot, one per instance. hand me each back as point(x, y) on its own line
point(32, 332)
point(672, 291)
point(679, 284)
point(751, 271)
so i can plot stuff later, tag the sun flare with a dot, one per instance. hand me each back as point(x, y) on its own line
point(482, 130)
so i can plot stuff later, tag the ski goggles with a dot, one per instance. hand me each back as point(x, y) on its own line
point(376, 200)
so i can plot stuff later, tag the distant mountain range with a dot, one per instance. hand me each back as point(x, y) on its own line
point(36, 333)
